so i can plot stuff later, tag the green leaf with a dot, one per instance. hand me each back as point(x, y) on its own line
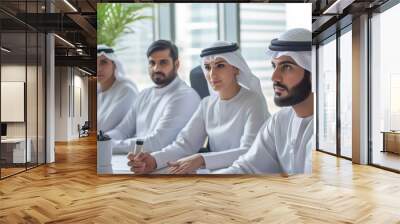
point(114, 19)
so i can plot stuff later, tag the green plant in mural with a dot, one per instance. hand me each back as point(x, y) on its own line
point(114, 19)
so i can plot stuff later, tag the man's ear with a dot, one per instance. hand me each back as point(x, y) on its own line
point(176, 63)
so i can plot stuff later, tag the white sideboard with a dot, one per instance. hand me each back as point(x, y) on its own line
point(18, 149)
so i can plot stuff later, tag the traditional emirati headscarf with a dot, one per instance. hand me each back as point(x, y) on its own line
point(295, 43)
point(119, 73)
point(230, 53)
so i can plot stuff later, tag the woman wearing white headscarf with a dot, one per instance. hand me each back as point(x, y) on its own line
point(116, 94)
point(230, 117)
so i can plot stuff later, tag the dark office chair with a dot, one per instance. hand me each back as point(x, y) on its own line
point(199, 83)
point(84, 130)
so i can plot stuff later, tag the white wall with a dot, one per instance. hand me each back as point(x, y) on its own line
point(61, 103)
point(33, 126)
point(69, 85)
point(16, 73)
point(79, 117)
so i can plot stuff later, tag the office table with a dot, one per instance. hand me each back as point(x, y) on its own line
point(120, 166)
point(13, 150)
point(391, 141)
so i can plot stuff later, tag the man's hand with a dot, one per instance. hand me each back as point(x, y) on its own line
point(188, 165)
point(142, 163)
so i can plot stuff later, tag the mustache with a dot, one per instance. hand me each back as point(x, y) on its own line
point(158, 73)
point(277, 84)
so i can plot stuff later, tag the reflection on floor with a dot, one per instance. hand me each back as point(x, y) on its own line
point(10, 169)
point(387, 159)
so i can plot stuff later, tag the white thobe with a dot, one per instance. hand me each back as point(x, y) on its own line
point(157, 117)
point(284, 145)
point(114, 103)
point(230, 125)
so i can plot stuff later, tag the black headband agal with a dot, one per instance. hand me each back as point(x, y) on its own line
point(280, 45)
point(105, 50)
point(219, 50)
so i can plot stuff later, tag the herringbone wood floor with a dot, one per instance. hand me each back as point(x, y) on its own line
point(69, 191)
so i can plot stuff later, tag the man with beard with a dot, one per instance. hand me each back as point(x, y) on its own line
point(159, 112)
point(284, 143)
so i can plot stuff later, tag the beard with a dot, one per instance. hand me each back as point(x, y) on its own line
point(296, 94)
point(161, 79)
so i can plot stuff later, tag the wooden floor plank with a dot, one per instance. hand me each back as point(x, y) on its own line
point(69, 191)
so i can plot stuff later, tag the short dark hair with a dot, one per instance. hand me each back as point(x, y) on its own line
point(160, 45)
